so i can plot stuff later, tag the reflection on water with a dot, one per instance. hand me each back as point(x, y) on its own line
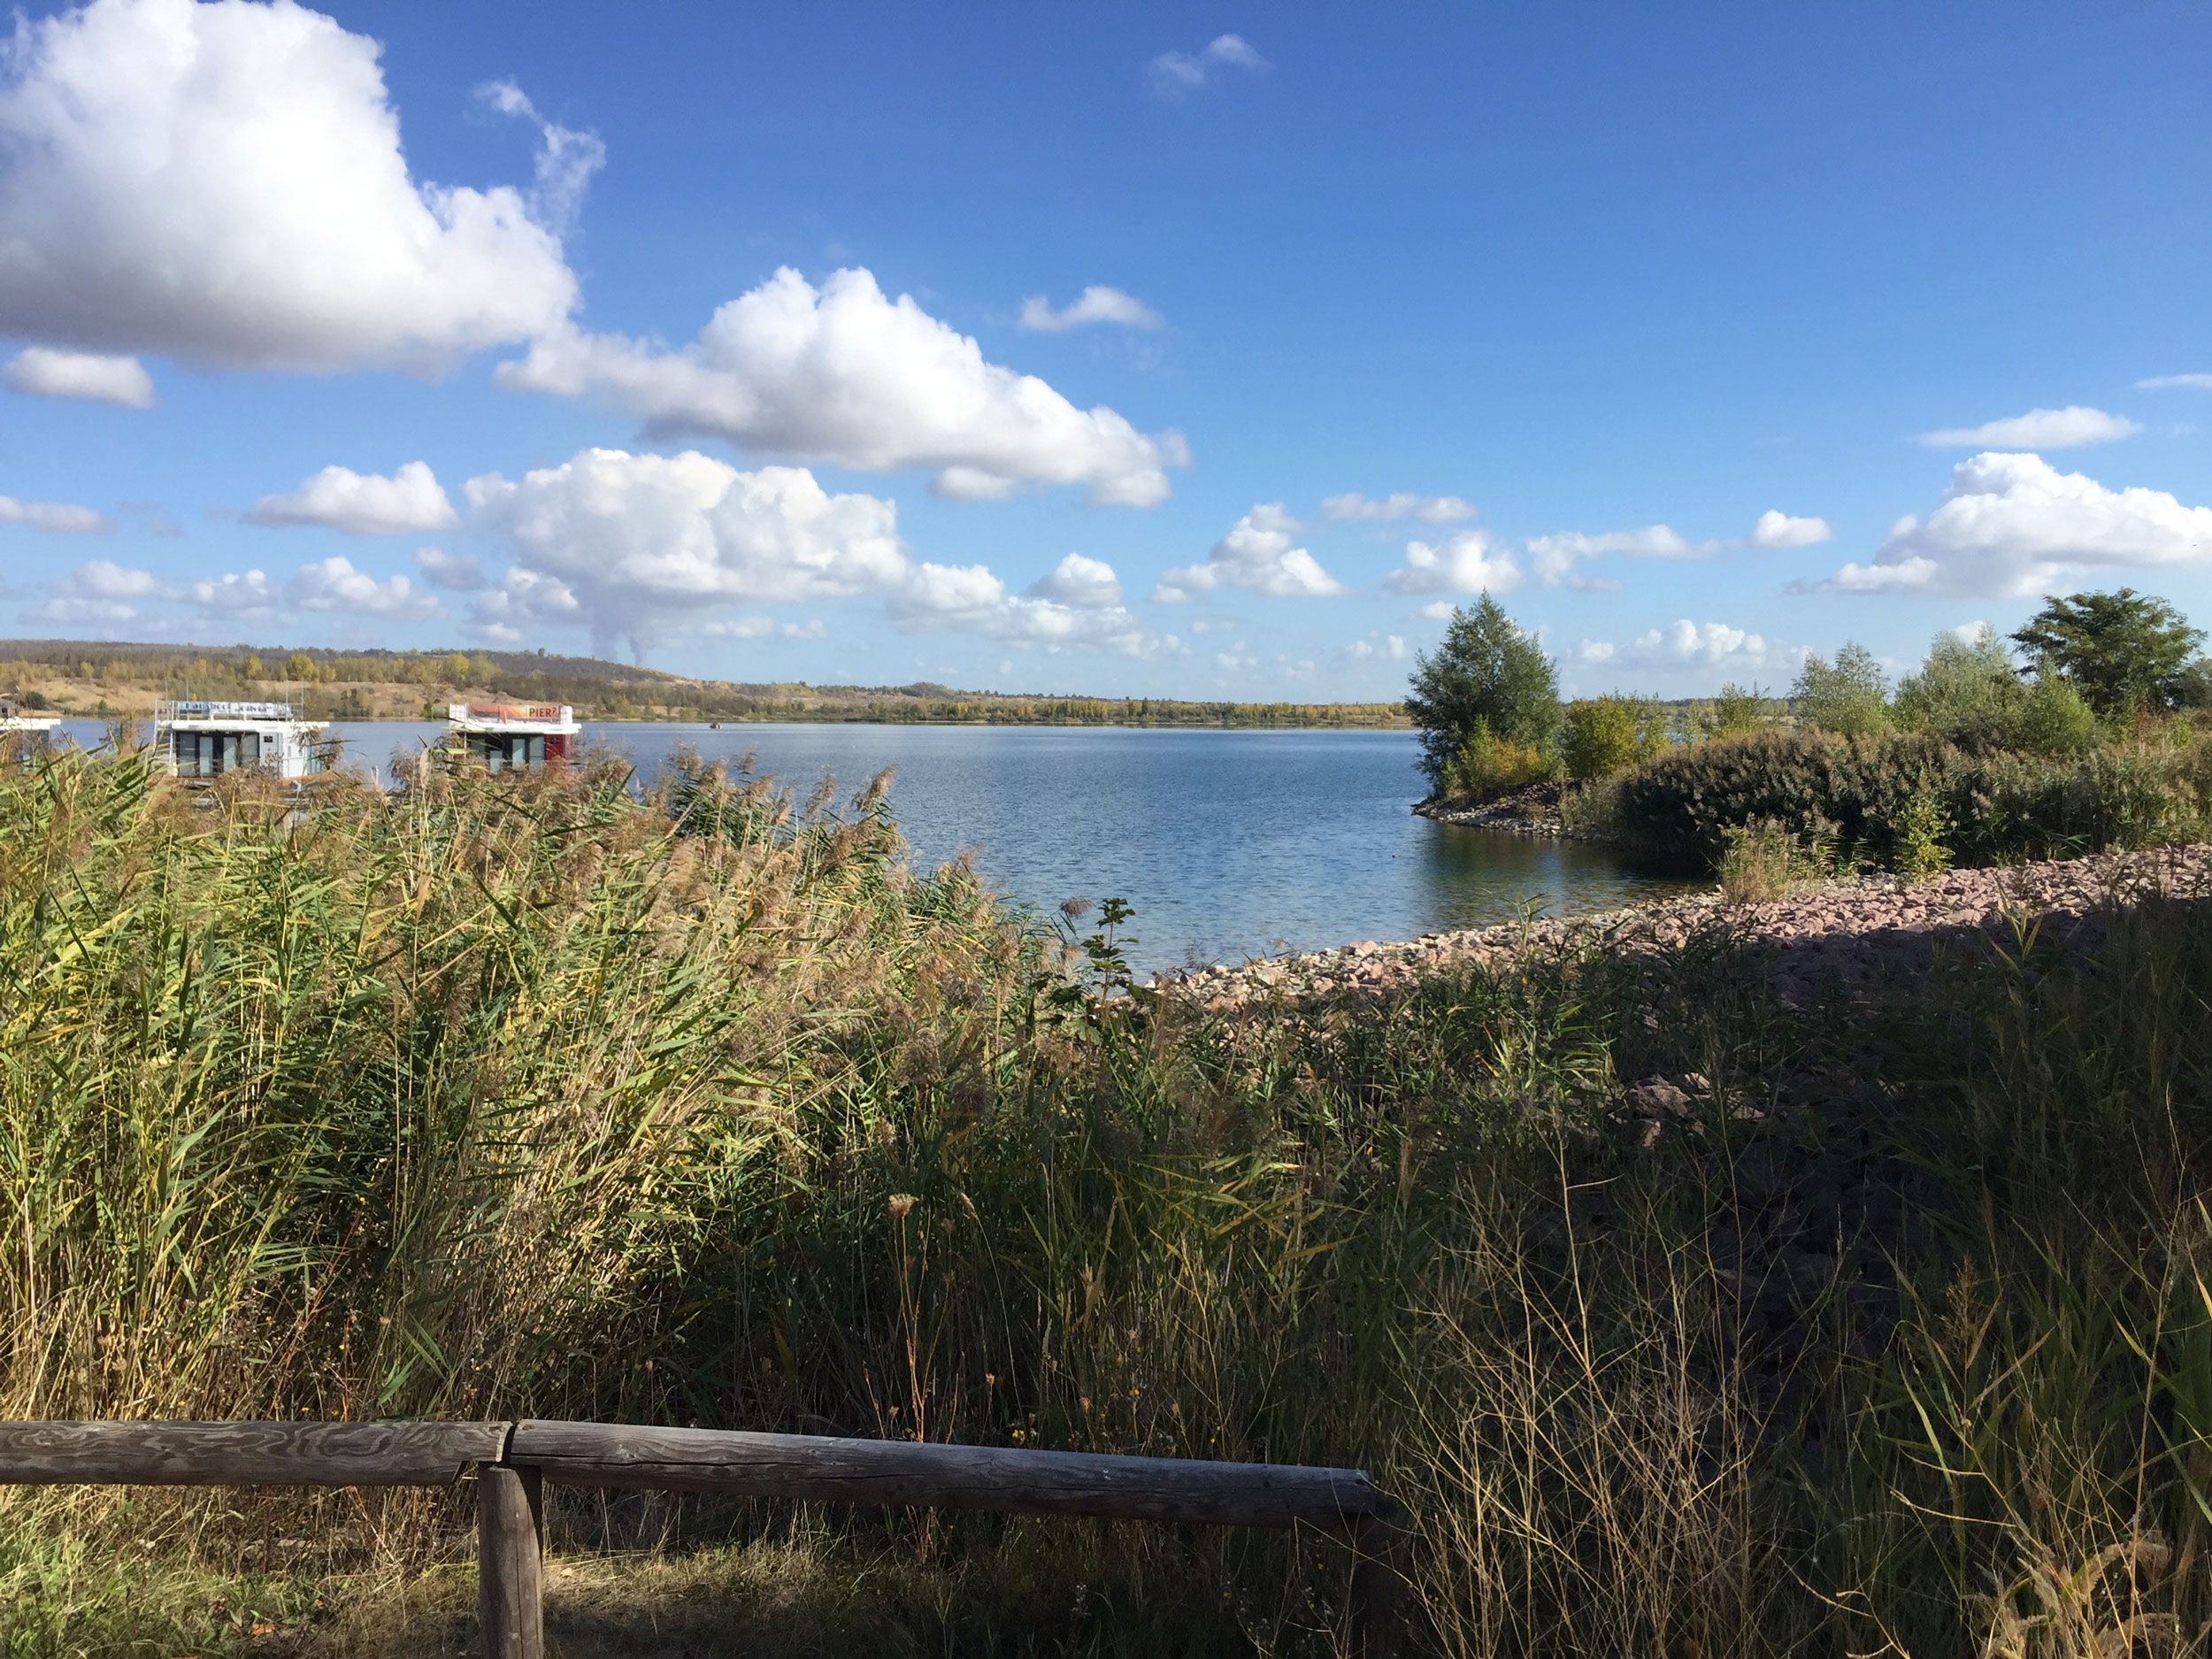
point(1228, 843)
point(1474, 876)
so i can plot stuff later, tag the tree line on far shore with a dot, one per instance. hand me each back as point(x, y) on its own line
point(88, 679)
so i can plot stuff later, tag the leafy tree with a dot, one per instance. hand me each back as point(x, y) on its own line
point(1849, 695)
point(1485, 676)
point(1966, 691)
point(2054, 718)
point(2122, 652)
point(2193, 686)
point(1599, 736)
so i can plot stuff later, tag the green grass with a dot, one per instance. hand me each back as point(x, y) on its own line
point(545, 1100)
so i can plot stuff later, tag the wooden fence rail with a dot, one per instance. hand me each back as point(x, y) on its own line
point(511, 1460)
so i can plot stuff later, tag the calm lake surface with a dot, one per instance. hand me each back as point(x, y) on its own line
point(1229, 844)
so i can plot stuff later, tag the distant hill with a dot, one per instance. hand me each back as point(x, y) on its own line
point(127, 678)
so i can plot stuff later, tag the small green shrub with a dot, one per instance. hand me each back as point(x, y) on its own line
point(1599, 736)
point(1918, 847)
point(1488, 766)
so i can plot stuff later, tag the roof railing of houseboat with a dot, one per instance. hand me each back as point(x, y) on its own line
point(202, 708)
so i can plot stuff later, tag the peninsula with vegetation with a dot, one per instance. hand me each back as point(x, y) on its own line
point(2089, 729)
point(112, 680)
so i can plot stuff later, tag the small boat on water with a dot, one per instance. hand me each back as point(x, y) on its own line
point(19, 722)
point(23, 734)
point(514, 736)
point(199, 741)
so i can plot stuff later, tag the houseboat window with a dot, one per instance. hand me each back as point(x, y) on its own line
point(211, 753)
point(508, 751)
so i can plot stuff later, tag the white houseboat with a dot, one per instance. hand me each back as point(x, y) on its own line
point(201, 741)
point(23, 725)
point(514, 736)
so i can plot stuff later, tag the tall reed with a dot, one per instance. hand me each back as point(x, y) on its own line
point(1881, 1327)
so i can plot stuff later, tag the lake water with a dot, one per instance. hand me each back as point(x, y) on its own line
point(1229, 844)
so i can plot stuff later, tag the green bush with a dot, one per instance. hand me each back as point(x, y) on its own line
point(1680, 807)
point(1599, 736)
point(1917, 845)
point(2053, 717)
point(1910, 802)
point(1486, 766)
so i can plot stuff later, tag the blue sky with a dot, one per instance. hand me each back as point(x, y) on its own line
point(1557, 302)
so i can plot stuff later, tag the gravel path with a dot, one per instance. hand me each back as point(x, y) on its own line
point(1854, 931)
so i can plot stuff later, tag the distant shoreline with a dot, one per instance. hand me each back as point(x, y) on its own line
point(800, 719)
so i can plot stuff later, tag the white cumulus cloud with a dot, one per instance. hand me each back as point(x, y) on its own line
point(1683, 644)
point(363, 503)
point(1776, 529)
point(1389, 648)
point(522, 599)
point(635, 543)
point(457, 572)
point(2067, 429)
point(1178, 75)
point(63, 518)
point(1096, 305)
point(1260, 554)
point(2013, 526)
point(100, 592)
point(567, 158)
point(333, 584)
point(224, 183)
point(1466, 563)
point(1556, 556)
point(844, 374)
point(239, 593)
point(92, 376)
point(1075, 607)
point(1398, 505)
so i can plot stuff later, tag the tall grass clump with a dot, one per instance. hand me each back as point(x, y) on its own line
point(1765, 859)
point(1683, 1316)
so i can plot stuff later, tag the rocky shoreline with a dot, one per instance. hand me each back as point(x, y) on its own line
point(1534, 810)
point(1845, 934)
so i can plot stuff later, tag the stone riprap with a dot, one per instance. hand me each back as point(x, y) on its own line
point(1849, 932)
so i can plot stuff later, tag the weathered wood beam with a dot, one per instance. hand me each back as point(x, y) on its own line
point(509, 1570)
point(245, 1454)
point(907, 1473)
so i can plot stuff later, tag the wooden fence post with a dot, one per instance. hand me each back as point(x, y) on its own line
point(510, 1584)
point(1373, 1613)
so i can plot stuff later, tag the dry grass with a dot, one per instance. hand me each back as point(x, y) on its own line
point(559, 1101)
